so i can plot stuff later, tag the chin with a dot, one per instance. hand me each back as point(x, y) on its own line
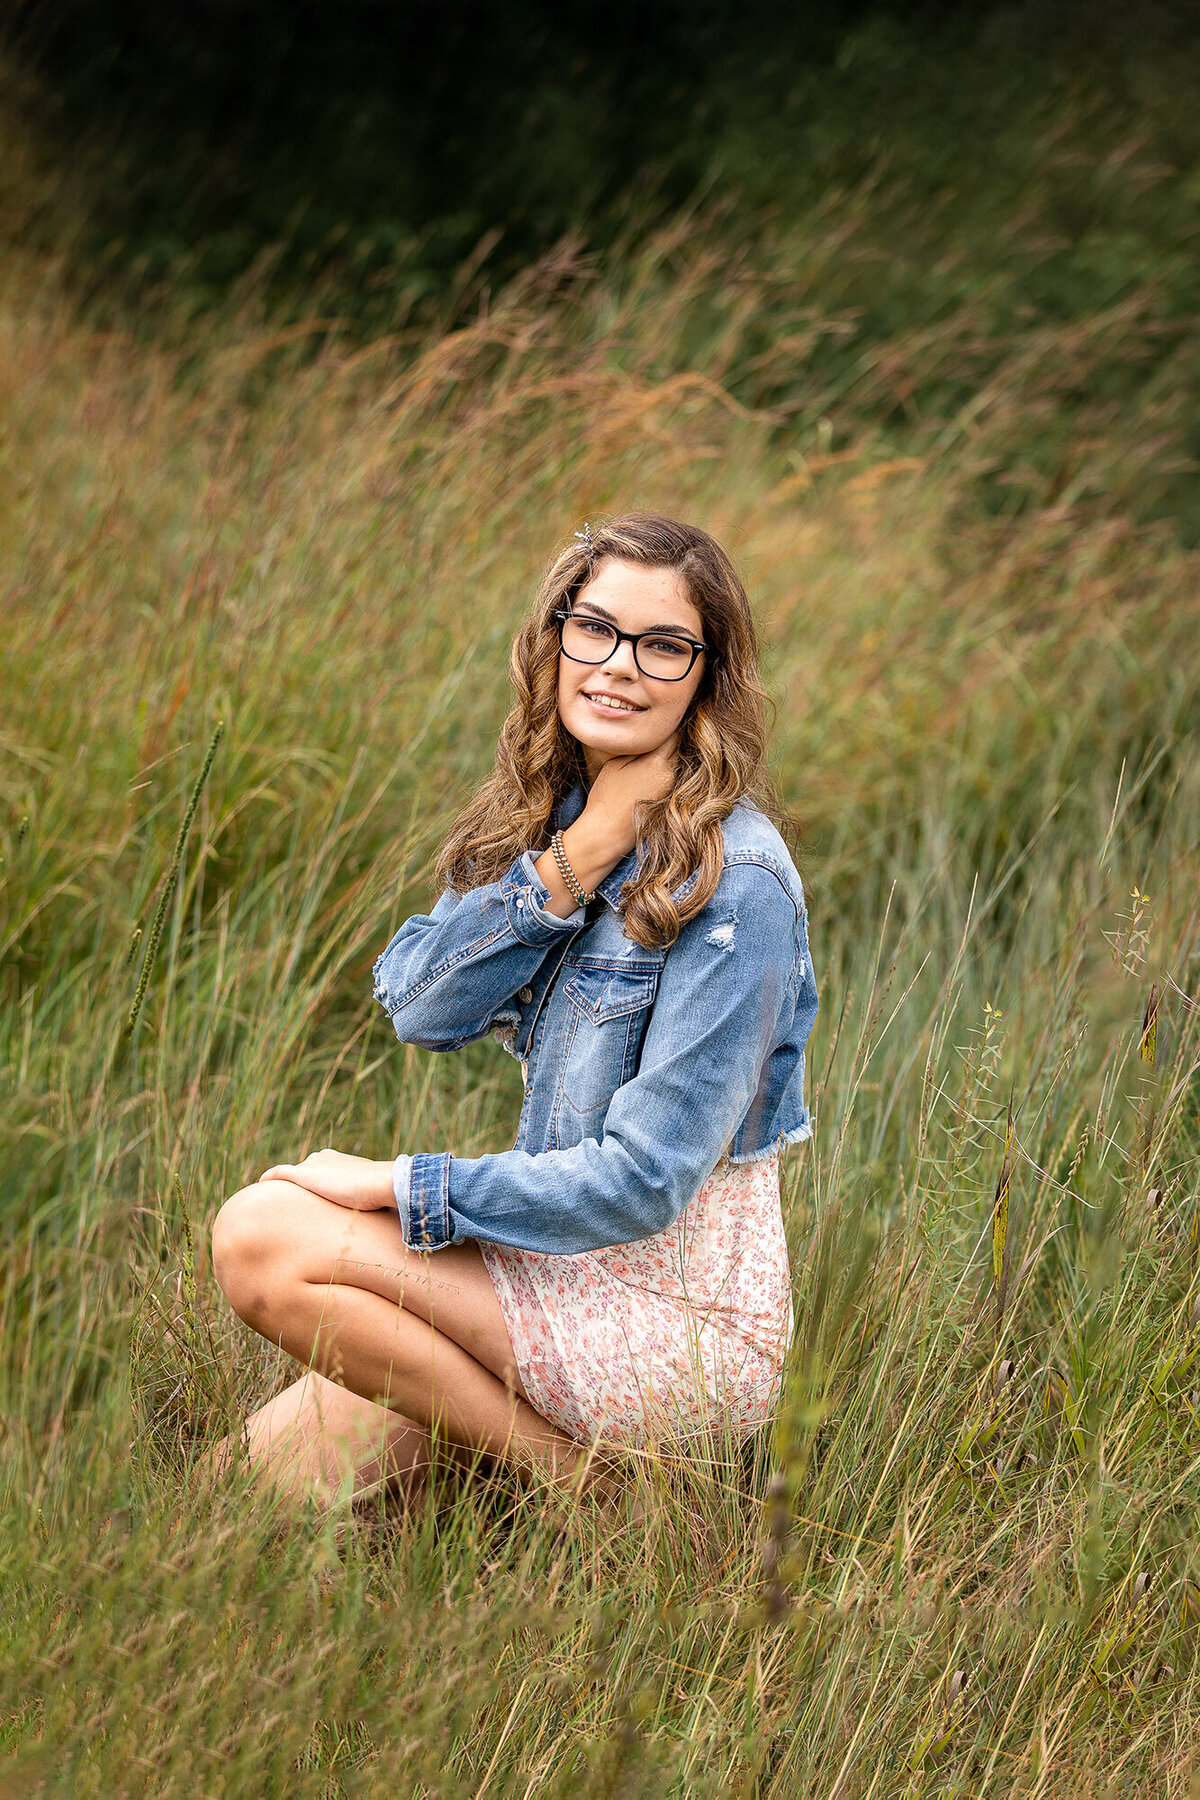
point(615, 742)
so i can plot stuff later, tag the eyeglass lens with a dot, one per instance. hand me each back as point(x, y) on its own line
point(660, 655)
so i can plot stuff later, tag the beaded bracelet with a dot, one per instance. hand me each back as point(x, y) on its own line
point(570, 879)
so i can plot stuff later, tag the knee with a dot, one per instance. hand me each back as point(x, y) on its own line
point(249, 1244)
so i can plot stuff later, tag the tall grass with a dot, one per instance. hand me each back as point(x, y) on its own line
point(965, 1562)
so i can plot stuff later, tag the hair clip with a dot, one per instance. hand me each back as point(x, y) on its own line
point(585, 537)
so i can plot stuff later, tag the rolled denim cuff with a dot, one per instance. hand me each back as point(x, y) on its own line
point(525, 895)
point(421, 1185)
point(402, 1189)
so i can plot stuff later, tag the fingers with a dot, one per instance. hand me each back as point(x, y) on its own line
point(295, 1171)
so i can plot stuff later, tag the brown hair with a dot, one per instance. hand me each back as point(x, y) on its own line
point(722, 746)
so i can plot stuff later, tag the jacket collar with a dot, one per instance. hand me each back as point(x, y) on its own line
point(609, 890)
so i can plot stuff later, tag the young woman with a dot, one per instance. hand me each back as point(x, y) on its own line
point(622, 916)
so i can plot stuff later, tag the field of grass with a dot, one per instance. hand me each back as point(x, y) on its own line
point(967, 1562)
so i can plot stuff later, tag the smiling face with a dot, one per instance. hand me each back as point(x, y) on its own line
point(611, 708)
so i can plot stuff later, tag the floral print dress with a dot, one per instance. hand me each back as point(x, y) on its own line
point(667, 1336)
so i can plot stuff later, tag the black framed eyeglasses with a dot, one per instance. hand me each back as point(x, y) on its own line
point(662, 655)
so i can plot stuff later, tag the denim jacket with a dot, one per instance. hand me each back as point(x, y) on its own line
point(643, 1066)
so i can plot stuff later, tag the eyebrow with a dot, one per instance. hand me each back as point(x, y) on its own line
point(675, 630)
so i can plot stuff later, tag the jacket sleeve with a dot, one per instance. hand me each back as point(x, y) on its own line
point(446, 976)
point(721, 1008)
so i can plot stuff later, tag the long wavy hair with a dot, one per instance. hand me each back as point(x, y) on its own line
point(722, 747)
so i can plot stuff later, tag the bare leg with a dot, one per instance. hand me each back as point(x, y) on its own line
point(420, 1335)
point(320, 1439)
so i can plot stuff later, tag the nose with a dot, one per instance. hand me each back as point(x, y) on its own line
point(627, 665)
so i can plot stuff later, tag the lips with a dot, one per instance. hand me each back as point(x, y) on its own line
point(610, 703)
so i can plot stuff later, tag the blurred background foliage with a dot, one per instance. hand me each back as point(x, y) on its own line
point(413, 129)
point(910, 176)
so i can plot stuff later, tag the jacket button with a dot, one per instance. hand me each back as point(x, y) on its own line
point(529, 1090)
point(525, 995)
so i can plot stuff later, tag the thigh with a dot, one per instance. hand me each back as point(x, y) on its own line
point(449, 1288)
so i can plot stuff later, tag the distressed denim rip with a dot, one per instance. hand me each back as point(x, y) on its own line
point(643, 1066)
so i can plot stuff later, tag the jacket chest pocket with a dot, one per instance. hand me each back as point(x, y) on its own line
point(608, 1005)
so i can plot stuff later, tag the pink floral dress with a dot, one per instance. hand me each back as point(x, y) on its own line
point(663, 1337)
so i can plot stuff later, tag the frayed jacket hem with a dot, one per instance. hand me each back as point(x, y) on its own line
point(800, 1134)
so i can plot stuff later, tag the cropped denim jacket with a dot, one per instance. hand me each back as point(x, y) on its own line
point(643, 1066)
